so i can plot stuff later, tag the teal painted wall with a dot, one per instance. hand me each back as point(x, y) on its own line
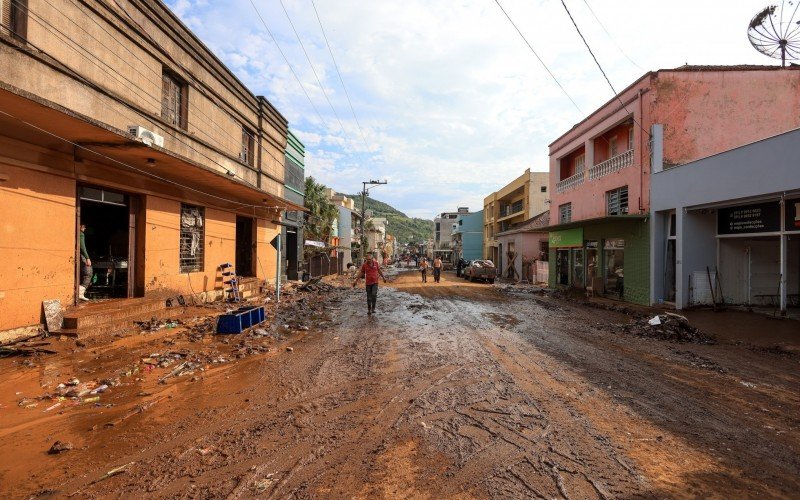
point(471, 228)
point(637, 255)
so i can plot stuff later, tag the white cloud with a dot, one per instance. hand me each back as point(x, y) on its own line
point(451, 102)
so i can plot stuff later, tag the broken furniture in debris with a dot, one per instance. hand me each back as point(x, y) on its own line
point(241, 319)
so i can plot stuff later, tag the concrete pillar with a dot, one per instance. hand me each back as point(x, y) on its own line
point(657, 148)
point(783, 256)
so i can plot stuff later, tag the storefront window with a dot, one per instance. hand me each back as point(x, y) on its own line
point(562, 266)
point(577, 267)
point(614, 250)
point(591, 262)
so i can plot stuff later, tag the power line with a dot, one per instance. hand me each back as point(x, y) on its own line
point(138, 170)
point(539, 58)
point(286, 59)
point(610, 37)
point(601, 68)
point(361, 131)
point(321, 86)
point(93, 59)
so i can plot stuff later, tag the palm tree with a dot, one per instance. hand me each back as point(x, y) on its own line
point(321, 211)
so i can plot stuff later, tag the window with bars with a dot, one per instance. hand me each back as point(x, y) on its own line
point(565, 213)
point(612, 147)
point(630, 138)
point(617, 201)
point(192, 238)
point(174, 105)
point(247, 154)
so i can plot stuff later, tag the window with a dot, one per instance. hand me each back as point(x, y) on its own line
point(517, 206)
point(630, 138)
point(580, 163)
point(192, 238)
point(544, 189)
point(565, 213)
point(612, 147)
point(174, 105)
point(247, 154)
point(617, 201)
point(14, 18)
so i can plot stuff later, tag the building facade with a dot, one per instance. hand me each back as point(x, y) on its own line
point(516, 202)
point(119, 118)
point(525, 246)
point(294, 186)
point(721, 225)
point(600, 170)
point(443, 226)
point(467, 236)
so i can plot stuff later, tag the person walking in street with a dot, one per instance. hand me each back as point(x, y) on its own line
point(370, 271)
point(86, 267)
point(423, 268)
point(437, 269)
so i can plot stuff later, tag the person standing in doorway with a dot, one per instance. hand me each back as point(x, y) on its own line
point(423, 269)
point(86, 267)
point(370, 271)
point(437, 269)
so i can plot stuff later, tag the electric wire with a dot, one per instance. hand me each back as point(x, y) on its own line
point(237, 204)
point(335, 65)
point(602, 70)
point(286, 59)
point(321, 86)
point(537, 57)
point(609, 35)
point(198, 85)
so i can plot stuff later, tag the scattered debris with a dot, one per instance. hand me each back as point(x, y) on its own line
point(670, 327)
point(59, 447)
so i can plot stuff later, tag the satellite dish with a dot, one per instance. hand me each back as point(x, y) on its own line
point(775, 31)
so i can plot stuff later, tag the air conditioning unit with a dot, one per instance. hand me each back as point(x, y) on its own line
point(146, 136)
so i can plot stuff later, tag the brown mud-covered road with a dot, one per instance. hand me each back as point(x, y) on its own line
point(451, 390)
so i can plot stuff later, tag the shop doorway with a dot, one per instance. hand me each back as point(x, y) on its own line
point(577, 268)
point(110, 219)
point(562, 266)
point(292, 264)
point(245, 246)
point(670, 260)
point(614, 253)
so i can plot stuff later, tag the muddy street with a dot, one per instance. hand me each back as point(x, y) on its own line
point(451, 390)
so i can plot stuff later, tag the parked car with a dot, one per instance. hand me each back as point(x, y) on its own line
point(480, 270)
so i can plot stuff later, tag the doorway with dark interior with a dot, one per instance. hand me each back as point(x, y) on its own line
point(110, 219)
point(245, 246)
point(291, 253)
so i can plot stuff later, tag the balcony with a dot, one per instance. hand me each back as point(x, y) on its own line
point(611, 165)
point(570, 182)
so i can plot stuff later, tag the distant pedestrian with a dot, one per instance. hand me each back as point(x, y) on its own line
point(423, 268)
point(370, 270)
point(437, 269)
point(460, 267)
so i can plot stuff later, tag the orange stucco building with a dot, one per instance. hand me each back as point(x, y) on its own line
point(116, 116)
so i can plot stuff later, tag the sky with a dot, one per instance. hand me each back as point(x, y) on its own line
point(448, 102)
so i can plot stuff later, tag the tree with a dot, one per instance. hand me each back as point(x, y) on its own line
point(321, 212)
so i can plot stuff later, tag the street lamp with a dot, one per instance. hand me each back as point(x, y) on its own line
point(363, 210)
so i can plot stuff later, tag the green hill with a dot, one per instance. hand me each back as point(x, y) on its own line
point(406, 229)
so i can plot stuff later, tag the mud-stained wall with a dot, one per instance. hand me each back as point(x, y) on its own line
point(266, 255)
point(37, 243)
point(707, 112)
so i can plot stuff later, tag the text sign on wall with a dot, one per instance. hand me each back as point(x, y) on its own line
point(567, 238)
point(757, 218)
point(792, 214)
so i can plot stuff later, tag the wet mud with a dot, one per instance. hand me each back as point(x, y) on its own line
point(451, 390)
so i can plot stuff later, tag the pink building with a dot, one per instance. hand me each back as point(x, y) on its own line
point(600, 169)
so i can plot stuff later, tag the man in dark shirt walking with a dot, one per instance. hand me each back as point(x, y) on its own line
point(370, 270)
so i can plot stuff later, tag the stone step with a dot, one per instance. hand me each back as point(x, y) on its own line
point(99, 313)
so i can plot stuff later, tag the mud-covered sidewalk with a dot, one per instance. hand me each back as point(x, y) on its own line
point(451, 390)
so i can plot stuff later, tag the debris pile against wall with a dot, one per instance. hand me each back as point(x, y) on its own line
point(667, 326)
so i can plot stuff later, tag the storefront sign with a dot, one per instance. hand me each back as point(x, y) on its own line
point(567, 238)
point(614, 244)
point(792, 214)
point(757, 218)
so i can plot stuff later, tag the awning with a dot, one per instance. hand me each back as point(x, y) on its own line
point(36, 121)
point(595, 221)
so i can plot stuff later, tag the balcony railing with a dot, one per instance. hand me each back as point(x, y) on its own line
point(611, 165)
point(570, 182)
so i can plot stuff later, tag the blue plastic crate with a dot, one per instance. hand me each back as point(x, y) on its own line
point(241, 319)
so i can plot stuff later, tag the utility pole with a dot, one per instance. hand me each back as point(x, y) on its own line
point(364, 184)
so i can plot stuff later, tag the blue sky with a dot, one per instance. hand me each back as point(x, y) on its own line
point(451, 102)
